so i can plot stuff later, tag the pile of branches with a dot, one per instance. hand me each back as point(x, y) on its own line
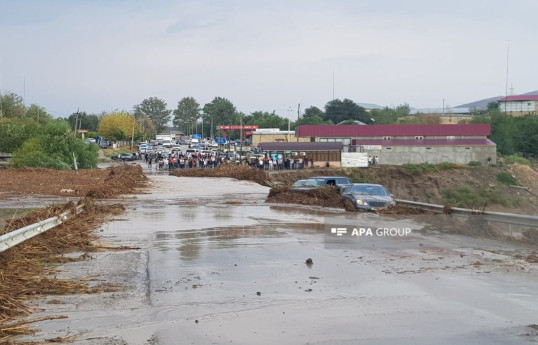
point(120, 180)
point(27, 270)
point(325, 196)
point(239, 172)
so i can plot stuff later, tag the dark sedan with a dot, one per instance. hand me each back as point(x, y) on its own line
point(125, 157)
point(368, 197)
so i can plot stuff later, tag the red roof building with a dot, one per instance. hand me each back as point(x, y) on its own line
point(400, 144)
point(519, 105)
point(382, 131)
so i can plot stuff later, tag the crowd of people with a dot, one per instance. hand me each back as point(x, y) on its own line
point(179, 160)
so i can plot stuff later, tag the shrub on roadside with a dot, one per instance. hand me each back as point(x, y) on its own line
point(469, 198)
point(516, 159)
point(507, 179)
point(475, 163)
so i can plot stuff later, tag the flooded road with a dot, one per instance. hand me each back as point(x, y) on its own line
point(214, 264)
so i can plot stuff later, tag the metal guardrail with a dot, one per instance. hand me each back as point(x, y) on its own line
point(500, 217)
point(15, 237)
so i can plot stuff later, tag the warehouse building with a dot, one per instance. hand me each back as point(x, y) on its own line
point(401, 144)
point(519, 105)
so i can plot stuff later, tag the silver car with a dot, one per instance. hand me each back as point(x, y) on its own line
point(368, 197)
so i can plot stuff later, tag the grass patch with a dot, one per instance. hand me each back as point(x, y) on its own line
point(516, 159)
point(114, 152)
point(473, 198)
point(475, 163)
point(419, 169)
point(507, 179)
point(356, 175)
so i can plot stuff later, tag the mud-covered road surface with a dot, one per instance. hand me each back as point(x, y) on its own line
point(212, 263)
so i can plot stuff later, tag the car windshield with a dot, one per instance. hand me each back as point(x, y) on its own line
point(312, 182)
point(299, 183)
point(367, 190)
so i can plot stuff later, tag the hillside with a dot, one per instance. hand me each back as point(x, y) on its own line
point(462, 186)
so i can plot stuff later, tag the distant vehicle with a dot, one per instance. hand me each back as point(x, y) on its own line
point(124, 157)
point(103, 143)
point(367, 197)
point(299, 183)
point(320, 181)
point(190, 152)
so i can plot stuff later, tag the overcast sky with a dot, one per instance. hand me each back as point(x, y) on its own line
point(103, 55)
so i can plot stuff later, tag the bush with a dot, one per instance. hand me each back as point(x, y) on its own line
point(516, 159)
point(475, 163)
point(507, 179)
point(419, 169)
point(466, 197)
point(446, 166)
point(54, 148)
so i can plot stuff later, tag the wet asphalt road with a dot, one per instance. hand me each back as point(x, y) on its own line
point(216, 265)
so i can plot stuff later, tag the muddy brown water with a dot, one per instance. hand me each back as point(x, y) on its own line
point(216, 265)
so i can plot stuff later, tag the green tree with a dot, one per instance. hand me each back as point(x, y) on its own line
point(526, 139)
point(15, 131)
point(388, 115)
point(11, 105)
point(154, 109)
point(187, 114)
point(266, 120)
point(117, 126)
point(338, 111)
point(38, 113)
point(54, 148)
point(220, 112)
point(313, 112)
point(84, 121)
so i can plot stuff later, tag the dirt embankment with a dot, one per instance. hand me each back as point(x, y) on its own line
point(429, 187)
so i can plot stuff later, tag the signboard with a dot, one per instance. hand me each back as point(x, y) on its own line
point(238, 127)
point(197, 136)
point(371, 147)
point(220, 141)
point(354, 159)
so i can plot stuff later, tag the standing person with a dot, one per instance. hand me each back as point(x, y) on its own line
point(376, 160)
point(311, 162)
point(374, 163)
point(489, 161)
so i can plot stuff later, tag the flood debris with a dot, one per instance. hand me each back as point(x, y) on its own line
point(97, 183)
point(28, 270)
point(325, 196)
point(239, 172)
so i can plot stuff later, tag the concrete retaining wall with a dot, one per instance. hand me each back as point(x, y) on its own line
point(398, 155)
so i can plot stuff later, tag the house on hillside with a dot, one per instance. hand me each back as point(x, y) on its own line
point(400, 144)
point(519, 105)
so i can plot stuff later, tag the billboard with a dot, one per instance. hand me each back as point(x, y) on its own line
point(354, 160)
point(197, 136)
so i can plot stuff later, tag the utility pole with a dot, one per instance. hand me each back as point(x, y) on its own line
point(298, 111)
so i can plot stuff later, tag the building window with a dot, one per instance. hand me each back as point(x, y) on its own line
point(387, 138)
point(419, 137)
point(388, 148)
point(428, 148)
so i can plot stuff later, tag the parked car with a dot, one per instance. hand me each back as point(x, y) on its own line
point(125, 157)
point(367, 197)
point(299, 183)
point(320, 181)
